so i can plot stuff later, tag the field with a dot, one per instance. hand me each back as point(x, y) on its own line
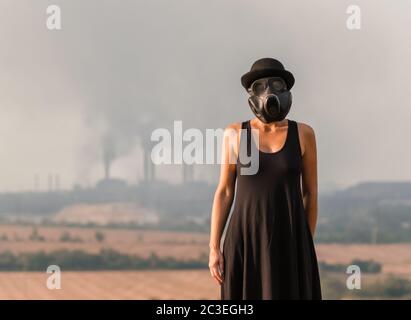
point(395, 258)
point(164, 284)
point(175, 244)
point(184, 284)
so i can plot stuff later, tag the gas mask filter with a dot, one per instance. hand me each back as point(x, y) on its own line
point(269, 100)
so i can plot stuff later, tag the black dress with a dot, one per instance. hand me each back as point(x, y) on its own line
point(268, 249)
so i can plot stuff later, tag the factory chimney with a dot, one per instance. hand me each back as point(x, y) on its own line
point(108, 156)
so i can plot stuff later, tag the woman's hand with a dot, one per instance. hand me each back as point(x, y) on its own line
point(216, 264)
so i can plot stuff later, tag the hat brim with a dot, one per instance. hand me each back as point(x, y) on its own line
point(248, 78)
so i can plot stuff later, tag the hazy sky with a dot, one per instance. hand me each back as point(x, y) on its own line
point(120, 68)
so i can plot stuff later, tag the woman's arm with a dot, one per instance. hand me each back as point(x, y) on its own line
point(223, 199)
point(309, 176)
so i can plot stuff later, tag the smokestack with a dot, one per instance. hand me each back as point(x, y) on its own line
point(56, 182)
point(107, 163)
point(149, 168)
point(36, 182)
point(108, 155)
point(152, 171)
point(50, 182)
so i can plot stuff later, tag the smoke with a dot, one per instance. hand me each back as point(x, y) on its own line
point(138, 65)
point(132, 66)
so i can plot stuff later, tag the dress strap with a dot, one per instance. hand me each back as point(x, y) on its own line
point(248, 138)
point(296, 136)
point(246, 125)
point(294, 139)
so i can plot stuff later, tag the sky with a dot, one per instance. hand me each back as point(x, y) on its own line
point(119, 69)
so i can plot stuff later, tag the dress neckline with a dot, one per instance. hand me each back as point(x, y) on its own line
point(285, 142)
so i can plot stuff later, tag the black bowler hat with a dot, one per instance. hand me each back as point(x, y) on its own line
point(267, 67)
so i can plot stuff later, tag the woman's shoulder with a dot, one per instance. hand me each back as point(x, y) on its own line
point(231, 137)
point(234, 125)
point(304, 128)
point(233, 128)
point(306, 136)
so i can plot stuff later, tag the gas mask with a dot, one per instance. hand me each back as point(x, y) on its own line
point(270, 100)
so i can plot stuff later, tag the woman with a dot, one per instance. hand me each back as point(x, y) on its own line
point(268, 251)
